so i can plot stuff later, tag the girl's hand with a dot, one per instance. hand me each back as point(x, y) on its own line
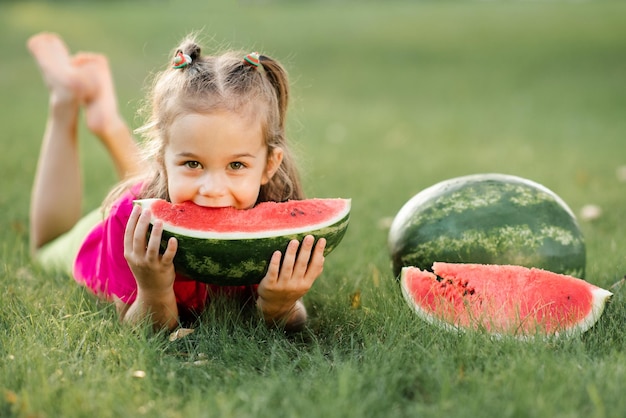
point(153, 271)
point(284, 285)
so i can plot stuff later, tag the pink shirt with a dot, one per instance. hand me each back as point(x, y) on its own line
point(100, 264)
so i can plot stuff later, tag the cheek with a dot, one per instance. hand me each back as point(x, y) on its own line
point(248, 191)
point(177, 189)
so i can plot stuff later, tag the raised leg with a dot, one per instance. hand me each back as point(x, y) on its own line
point(57, 190)
point(84, 79)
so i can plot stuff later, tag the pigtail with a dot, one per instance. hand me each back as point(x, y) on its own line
point(285, 184)
point(277, 76)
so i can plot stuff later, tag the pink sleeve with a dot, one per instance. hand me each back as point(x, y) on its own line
point(100, 264)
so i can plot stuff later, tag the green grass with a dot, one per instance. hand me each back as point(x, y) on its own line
point(389, 98)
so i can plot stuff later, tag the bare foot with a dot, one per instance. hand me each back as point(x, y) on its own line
point(101, 112)
point(100, 102)
point(53, 59)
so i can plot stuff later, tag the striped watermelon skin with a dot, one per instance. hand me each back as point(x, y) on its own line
point(488, 219)
point(240, 261)
point(233, 261)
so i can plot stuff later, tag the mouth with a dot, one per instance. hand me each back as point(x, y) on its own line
point(207, 204)
point(210, 205)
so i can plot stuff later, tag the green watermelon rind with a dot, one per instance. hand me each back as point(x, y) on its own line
point(248, 259)
point(477, 219)
point(599, 297)
point(231, 261)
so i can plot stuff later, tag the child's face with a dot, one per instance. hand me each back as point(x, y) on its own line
point(218, 159)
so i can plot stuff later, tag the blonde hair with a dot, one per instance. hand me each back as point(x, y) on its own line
point(224, 82)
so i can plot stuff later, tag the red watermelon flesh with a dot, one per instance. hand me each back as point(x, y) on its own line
point(503, 299)
point(266, 219)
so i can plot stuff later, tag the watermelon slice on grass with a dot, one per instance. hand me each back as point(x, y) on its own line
point(503, 299)
point(226, 246)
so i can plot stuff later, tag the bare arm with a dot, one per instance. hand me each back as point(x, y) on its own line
point(292, 319)
point(161, 310)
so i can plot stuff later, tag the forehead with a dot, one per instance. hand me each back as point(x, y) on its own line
point(220, 130)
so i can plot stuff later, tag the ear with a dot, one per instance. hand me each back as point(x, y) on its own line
point(273, 162)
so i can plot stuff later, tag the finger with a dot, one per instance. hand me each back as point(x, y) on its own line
point(131, 225)
point(304, 255)
point(320, 246)
point(170, 251)
point(141, 231)
point(274, 267)
point(154, 242)
point(316, 264)
point(286, 269)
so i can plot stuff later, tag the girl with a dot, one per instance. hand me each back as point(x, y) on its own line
point(215, 135)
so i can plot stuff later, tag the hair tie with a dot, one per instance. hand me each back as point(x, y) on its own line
point(252, 59)
point(181, 60)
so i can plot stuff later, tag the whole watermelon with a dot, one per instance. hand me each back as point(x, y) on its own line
point(487, 219)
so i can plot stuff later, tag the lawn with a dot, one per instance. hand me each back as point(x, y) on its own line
point(388, 98)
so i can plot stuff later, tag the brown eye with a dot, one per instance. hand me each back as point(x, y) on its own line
point(192, 164)
point(236, 165)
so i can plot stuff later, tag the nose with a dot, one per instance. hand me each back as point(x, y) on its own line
point(212, 185)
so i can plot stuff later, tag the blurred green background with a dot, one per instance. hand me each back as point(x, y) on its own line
point(389, 97)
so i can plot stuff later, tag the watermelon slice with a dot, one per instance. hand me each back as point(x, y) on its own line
point(226, 246)
point(503, 299)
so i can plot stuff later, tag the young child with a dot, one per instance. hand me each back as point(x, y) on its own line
point(215, 135)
